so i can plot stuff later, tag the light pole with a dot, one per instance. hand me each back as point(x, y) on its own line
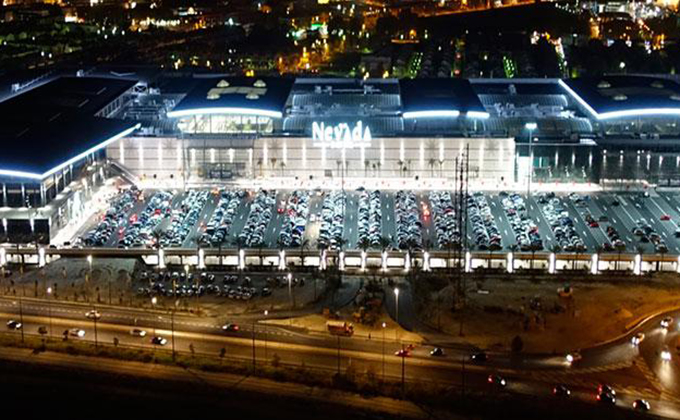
point(154, 300)
point(172, 326)
point(94, 320)
point(49, 309)
point(396, 300)
point(531, 126)
point(383, 350)
point(21, 318)
point(290, 289)
point(89, 261)
point(266, 312)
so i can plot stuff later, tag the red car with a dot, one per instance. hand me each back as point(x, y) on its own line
point(402, 353)
point(665, 217)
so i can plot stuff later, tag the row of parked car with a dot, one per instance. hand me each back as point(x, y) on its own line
point(184, 218)
point(113, 219)
point(562, 225)
point(370, 218)
point(646, 233)
point(332, 219)
point(408, 223)
point(484, 227)
point(217, 228)
point(444, 218)
point(525, 229)
point(261, 209)
point(296, 213)
point(140, 227)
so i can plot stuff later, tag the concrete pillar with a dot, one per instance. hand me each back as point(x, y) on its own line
point(43, 200)
point(23, 195)
point(4, 194)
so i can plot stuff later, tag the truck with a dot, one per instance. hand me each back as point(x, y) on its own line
point(340, 328)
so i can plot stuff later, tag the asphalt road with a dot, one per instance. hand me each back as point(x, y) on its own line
point(635, 372)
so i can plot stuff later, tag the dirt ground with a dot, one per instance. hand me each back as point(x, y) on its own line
point(596, 312)
point(317, 324)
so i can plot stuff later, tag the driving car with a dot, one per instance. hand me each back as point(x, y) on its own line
point(479, 357)
point(665, 354)
point(137, 332)
point(641, 405)
point(159, 341)
point(14, 325)
point(573, 357)
point(666, 322)
point(93, 314)
point(230, 327)
point(497, 380)
point(637, 338)
point(76, 332)
point(437, 352)
point(402, 353)
point(561, 390)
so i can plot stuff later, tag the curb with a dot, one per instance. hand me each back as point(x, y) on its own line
point(633, 325)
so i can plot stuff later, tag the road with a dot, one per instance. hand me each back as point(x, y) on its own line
point(635, 372)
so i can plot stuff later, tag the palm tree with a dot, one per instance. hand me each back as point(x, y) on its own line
point(260, 247)
point(441, 167)
point(259, 165)
point(378, 164)
point(384, 243)
point(364, 244)
point(273, 162)
point(283, 166)
point(661, 251)
point(431, 163)
point(303, 246)
point(367, 165)
point(400, 164)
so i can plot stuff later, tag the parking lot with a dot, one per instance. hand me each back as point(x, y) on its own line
point(376, 220)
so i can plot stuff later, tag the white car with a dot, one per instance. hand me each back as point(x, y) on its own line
point(76, 332)
point(637, 339)
point(665, 355)
point(136, 332)
point(666, 322)
point(159, 341)
point(93, 314)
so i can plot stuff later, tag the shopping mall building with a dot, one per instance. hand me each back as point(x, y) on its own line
point(65, 134)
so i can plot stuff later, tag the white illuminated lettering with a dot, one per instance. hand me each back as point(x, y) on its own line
point(341, 135)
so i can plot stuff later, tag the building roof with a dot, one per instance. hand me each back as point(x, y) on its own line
point(623, 96)
point(422, 98)
point(262, 96)
point(54, 125)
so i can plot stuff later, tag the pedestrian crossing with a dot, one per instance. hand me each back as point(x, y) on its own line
point(665, 394)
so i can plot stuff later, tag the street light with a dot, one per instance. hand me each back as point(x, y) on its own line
point(531, 126)
point(264, 325)
point(383, 350)
point(290, 289)
point(49, 309)
point(89, 261)
point(154, 300)
point(396, 299)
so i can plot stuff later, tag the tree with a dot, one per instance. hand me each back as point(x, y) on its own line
point(432, 162)
point(517, 345)
point(367, 165)
point(283, 166)
point(400, 164)
point(304, 245)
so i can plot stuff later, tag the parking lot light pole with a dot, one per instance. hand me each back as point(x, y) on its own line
point(290, 289)
point(396, 300)
point(94, 319)
point(21, 318)
point(154, 300)
point(383, 350)
point(531, 126)
point(49, 308)
point(264, 325)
